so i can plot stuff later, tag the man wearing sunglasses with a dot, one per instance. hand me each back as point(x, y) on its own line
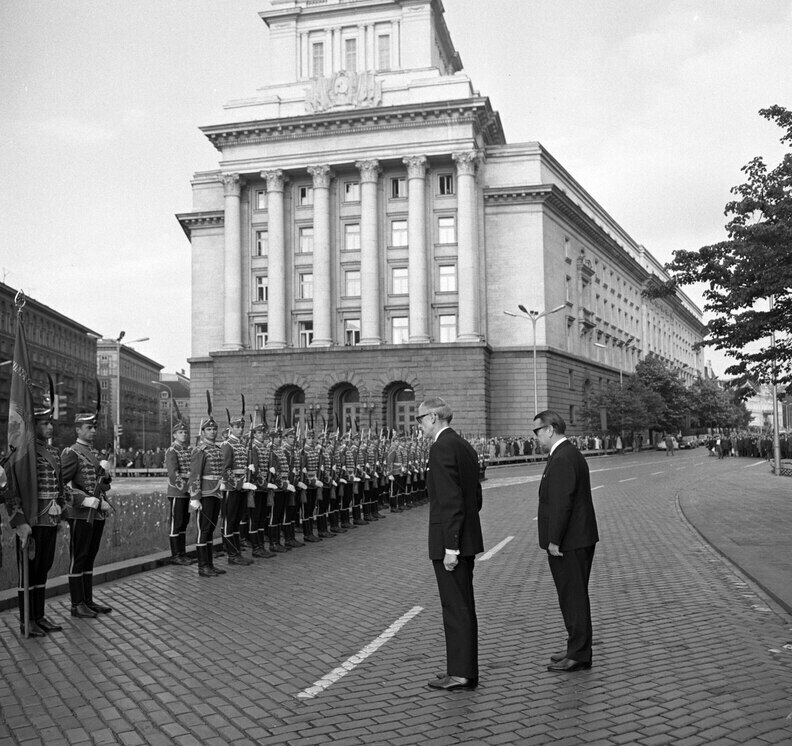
point(452, 481)
point(568, 531)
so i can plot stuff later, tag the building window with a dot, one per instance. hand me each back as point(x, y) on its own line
point(352, 283)
point(260, 200)
point(306, 286)
point(317, 59)
point(262, 289)
point(383, 52)
point(352, 332)
point(571, 379)
point(400, 281)
point(445, 184)
point(399, 233)
point(305, 333)
point(400, 330)
point(448, 328)
point(305, 195)
point(448, 282)
point(350, 55)
point(571, 414)
point(352, 237)
point(260, 336)
point(351, 191)
point(305, 243)
point(398, 188)
point(446, 229)
point(262, 243)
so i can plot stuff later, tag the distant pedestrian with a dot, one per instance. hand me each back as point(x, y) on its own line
point(454, 539)
point(669, 444)
point(568, 531)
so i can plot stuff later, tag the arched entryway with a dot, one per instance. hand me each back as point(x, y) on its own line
point(290, 406)
point(400, 406)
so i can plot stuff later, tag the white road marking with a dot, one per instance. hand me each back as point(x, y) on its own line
point(599, 487)
point(630, 479)
point(495, 549)
point(350, 663)
point(756, 463)
point(656, 472)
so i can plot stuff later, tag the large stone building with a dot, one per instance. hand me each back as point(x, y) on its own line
point(368, 226)
point(58, 346)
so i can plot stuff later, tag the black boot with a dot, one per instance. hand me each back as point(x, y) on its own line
point(88, 595)
point(182, 547)
point(33, 628)
point(215, 570)
point(357, 519)
point(308, 534)
point(237, 558)
point(38, 606)
point(176, 557)
point(204, 568)
point(323, 530)
point(274, 536)
point(78, 607)
point(291, 540)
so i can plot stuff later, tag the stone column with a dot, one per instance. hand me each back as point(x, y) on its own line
point(276, 261)
point(232, 274)
point(417, 258)
point(369, 255)
point(467, 248)
point(337, 52)
point(322, 295)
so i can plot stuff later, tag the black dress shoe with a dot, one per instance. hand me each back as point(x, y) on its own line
point(567, 665)
point(48, 626)
point(82, 611)
point(33, 630)
point(556, 657)
point(98, 608)
point(451, 683)
point(181, 560)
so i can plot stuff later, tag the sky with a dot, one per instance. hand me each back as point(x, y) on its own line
point(651, 105)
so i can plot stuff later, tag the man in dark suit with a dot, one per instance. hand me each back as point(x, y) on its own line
point(568, 531)
point(454, 539)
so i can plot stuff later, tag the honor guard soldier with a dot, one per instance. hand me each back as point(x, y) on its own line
point(259, 511)
point(396, 475)
point(177, 462)
point(43, 526)
point(279, 475)
point(235, 472)
point(312, 486)
point(89, 481)
point(293, 498)
point(206, 469)
point(322, 513)
point(330, 456)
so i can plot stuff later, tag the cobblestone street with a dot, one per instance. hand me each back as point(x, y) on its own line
point(687, 649)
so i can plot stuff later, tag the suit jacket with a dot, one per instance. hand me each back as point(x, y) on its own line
point(454, 497)
point(566, 510)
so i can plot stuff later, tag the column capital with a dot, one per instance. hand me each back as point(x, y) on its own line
point(321, 176)
point(231, 185)
point(416, 166)
point(466, 162)
point(369, 170)
point(275, 180)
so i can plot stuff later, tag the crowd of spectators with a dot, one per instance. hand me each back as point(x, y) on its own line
point(137, 458)
point(517, 446)
point(752, 445)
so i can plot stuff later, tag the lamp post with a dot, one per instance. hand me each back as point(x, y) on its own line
point(117, 438)
point(170, 402)
point(533, 317)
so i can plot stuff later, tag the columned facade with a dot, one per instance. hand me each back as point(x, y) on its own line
point(232, 277)
point(277, 260)
point(369, 260)
point(322, 290)
point(469, 323)
point(417, 263)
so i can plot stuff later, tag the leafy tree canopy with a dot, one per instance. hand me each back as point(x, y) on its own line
point(743, 273)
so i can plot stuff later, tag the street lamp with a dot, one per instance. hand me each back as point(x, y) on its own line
point(170, 400)
point(533, 317)
point(117, 439)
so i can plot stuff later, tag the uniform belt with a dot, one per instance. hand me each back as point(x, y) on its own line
point(238, 471)
point(211, 479)
point(48, 495)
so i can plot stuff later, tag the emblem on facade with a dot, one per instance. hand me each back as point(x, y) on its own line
point(343, 89)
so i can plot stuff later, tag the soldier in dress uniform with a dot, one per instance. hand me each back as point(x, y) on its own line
point(259, 512)
point(322, 512)
point(235, 472)
point(206, 471)
point(330, 457)
point(355, 479)
point(293, 497)
point(312, 486)
point(86, 511)
point(396, 471)
point(177, 462)
point(279, 475)
point(43, 526)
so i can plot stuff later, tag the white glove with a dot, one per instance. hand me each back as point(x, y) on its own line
point(105, 464)
point(252, 468)
point(272, 469)
point(317, 483)
point(302, 485)
point(3, 477)
point(248, 486)
point(271, 486)
point(23, 531)
point(104, 506)
point(91, 502)
point(290, 488)
point(391, 478)
point(195, 504)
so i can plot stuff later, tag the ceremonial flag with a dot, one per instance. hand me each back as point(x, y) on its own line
point(21, 465)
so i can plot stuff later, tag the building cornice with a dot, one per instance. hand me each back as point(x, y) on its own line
point(476, 111)
point(191, 221)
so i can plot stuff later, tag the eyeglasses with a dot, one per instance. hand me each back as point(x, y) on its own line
point(419, 417)
point(537, 429)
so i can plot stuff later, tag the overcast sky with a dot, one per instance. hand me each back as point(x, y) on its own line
point(650, 104)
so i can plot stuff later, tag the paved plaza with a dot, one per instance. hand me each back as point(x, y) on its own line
point(334, 643)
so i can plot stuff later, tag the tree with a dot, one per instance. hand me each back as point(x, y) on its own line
point(714, 407)
point(752, 267)
point(671, 413)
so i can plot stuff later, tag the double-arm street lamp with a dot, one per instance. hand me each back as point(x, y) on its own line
point(117, 438)
point(533, 317)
